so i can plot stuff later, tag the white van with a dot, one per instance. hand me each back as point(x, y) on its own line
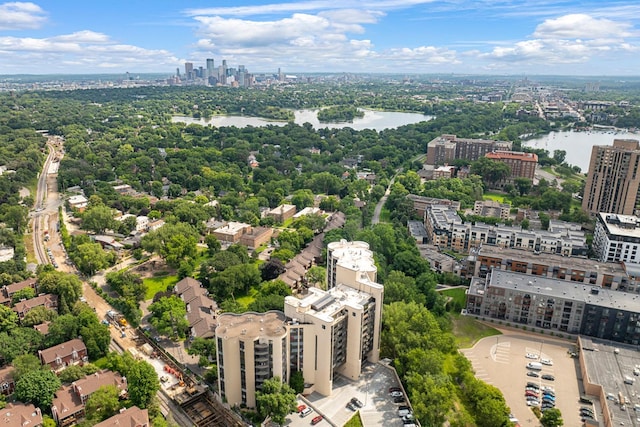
point(536, 366)
point(305, 412)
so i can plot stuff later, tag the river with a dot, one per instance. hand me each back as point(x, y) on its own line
point(377, 120)
point(578, 144)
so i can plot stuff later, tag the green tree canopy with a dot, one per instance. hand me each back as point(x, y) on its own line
point(168, 316)
point(276, 400)
point(37, 387)
point(67, 286)
point(102, 404)
point(25, 363)
point(173, 242)
point(552, 417)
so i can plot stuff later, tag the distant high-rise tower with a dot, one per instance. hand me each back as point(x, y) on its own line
point(613, 181)
point(188, 70)
point(211, 71)
point(223, 74)
point(178, 71)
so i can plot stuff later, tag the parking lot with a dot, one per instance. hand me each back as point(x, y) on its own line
point(615, 367)
point(500, 361)
point(372, 389)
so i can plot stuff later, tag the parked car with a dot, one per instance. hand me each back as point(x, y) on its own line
point(531, 356)
point(396, 394)
point(301, 408)
point(305, 412)
point(351, 406)
point(533, 403)
point(534, 385)
point(357, 402)
point(547, 362)
point(532, 374)
point(316, 420)
point(548, 377)
point(399, 399)
point(403, 410)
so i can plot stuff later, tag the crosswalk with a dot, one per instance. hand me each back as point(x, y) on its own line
point(500, 352)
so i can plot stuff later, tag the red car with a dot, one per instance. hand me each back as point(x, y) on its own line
point(316, 420)
point(301, 408)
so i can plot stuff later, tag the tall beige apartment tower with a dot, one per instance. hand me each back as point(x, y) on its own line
point(320, 334)
point(613, 181)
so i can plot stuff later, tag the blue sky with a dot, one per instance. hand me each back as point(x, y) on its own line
point(525, 37)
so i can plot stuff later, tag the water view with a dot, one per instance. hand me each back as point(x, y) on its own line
point(377, 120)
point(578, 144)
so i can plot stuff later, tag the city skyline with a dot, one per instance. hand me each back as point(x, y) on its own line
point(378, 36)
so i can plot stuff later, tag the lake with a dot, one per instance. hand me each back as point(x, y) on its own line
point(377, 120)
point(578, 144)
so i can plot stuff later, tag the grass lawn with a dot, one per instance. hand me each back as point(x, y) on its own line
point(158, 284)
point(468, 330)
point(249, 298)
point(31, 251)
point(355, 421)
point(458, 295)
point(498, 197)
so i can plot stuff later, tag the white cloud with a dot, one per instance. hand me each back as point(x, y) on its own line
point(85, 36)
point(581, 26)
point(89, 50)
point(20, 16)
point(305, 6)
point(262, 33)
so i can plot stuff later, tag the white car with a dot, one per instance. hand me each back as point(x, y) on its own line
point(531, 356)
point(547, 362)
point(533, 402)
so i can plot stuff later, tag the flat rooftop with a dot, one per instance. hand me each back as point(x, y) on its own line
point(325, 304)
point(252, 325)
point(621, 225)
point(607, 364)
point(570, 263)
point(556, 288)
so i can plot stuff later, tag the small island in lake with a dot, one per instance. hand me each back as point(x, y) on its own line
point(339, 113)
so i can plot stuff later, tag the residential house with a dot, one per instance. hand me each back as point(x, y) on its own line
point(108, 242)
point(78, 202)
point(154, 225)
point(7, 382)
point(129, 417)
point(68, 403)
point(68, 353)
point(7, 291)
point(49, 301)
point(142, 223)
point(20, 414)
point(201, 309)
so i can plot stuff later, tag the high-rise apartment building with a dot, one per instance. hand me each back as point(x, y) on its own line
point(321, 334)
point(188, 70)
point(211, 71)
point(522, 165)
point(446, 148)
point(613, 181)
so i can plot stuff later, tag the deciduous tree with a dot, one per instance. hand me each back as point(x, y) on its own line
point(37, 387)
point(276, 400)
